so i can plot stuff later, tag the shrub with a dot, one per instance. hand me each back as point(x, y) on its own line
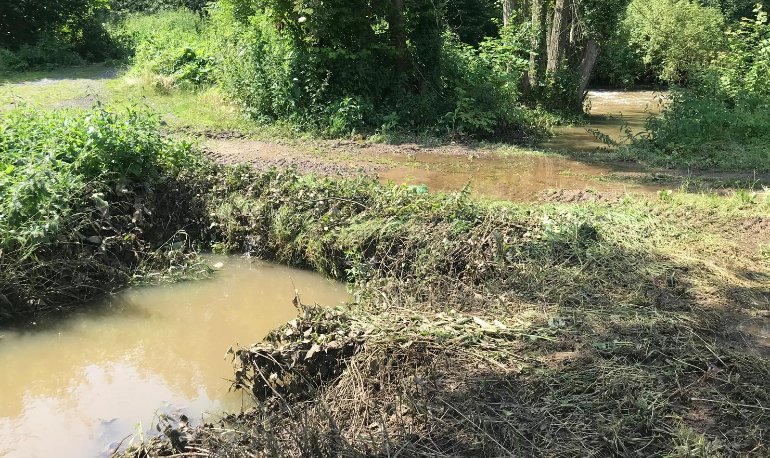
point(722, 118)
point(77, 193)
point(49, 34)
point(154, 6)
point(336, 70)
point(674, 37)
point(49, 158)
point(10, 62)
point(171, 44)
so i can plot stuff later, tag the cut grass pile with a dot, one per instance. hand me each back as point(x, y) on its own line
point(495, 329)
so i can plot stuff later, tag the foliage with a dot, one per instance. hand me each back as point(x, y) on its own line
point(722, 118)
point(675, 38)
point(73, 193)
point(172, 44)
point(620, 64)
point(473, 20)
point(154, 6)
point(335, 69)
point(50, 34)
point(702, 127)
point(735, 10)
point(745, 68)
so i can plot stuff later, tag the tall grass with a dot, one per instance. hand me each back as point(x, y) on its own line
point(170, 47)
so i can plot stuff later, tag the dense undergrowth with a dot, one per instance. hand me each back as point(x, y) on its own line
point(83, 206)
point(719, 120)
point(319, 80)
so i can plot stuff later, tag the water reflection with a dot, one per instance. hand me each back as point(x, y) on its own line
point(78, 388)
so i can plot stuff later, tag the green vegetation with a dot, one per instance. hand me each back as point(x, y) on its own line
point(722, 119)
point(36, 35)
point(169, 48)
point(480, 328)
point(483, 329)
point(78, 191)
point(675, 38)
point(337, 70)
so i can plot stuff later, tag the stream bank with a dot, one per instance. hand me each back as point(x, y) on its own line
point(480, 328)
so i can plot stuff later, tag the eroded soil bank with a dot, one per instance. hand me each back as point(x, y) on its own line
point(491, 329)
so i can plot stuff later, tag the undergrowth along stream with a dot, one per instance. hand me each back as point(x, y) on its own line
point(491, 329)
point(84, 206)
point(478, 329)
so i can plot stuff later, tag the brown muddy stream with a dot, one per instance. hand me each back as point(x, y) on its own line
point(523, 177)
point(613, 113)
point(77, 388)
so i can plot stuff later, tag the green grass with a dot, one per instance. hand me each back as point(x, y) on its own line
point(76, 190)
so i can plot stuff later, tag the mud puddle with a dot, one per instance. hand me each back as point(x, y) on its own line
point(516, 177)
point(80, 387)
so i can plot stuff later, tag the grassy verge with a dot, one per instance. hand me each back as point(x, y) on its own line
point(496, 330)
point(84, 206)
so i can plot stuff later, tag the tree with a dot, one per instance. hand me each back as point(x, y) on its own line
point(674, 37)
point(26, 21)
point(566, 39)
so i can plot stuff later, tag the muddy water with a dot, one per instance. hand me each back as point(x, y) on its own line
point(77, 388)
point(523, 177)
point(613, 113)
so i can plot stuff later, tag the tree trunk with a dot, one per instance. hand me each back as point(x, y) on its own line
point(398, 35)
point(586, 67)
point(537, 43)
point(509, 6)
point(557, 36)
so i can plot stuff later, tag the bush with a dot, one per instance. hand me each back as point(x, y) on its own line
point(155, 6)
point(10, 62)
point(48, 52)
point(171, 44)
point(49, 158)
point(674, 38)
point(722, 118)
point(77, 193)
point(51, 34)
point(335, 70)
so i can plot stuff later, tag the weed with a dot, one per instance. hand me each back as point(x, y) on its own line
point(77, 190)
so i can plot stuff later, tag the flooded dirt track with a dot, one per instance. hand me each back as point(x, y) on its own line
point(80, 386)
point(516, 178)
point(503, 173)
